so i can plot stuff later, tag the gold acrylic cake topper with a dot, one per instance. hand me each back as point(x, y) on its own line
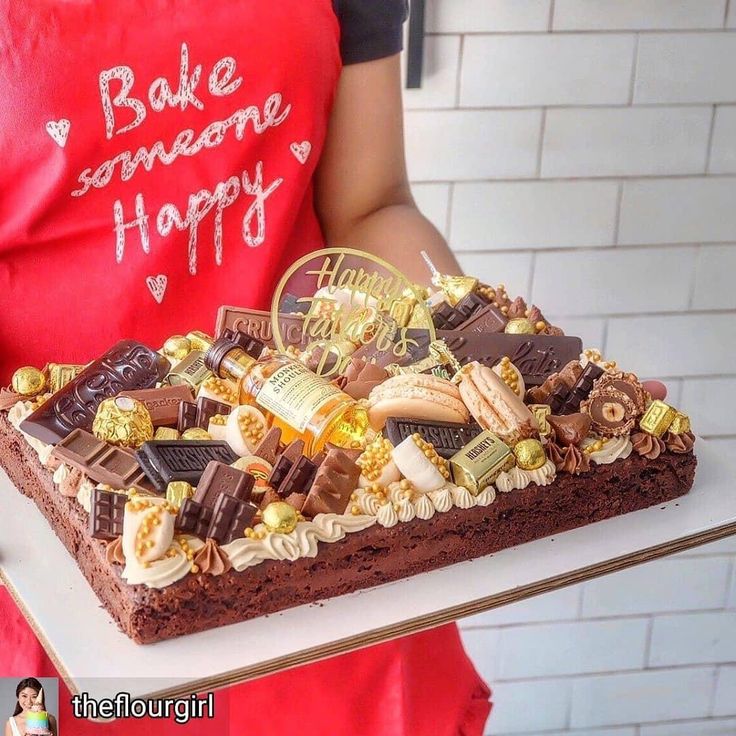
point(348, 299)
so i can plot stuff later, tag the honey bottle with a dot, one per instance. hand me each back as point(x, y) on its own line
point(301, 403)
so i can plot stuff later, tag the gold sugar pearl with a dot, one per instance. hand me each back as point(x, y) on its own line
point(355, 511)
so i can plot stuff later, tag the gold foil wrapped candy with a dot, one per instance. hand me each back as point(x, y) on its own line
point(123, 421)
point(541, 412)
point(530, 454)
point(280, 517)
point(178, 491)
point(657, 418)
point(680, 424)
point(177, 347)
point(520, 326)
point(195, 433)
point(28, 381)
point(166, 433)
point(61, 373)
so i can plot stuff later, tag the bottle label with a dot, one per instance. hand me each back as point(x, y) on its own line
point(294, 394)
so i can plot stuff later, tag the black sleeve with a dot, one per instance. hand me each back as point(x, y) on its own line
point(370, 29)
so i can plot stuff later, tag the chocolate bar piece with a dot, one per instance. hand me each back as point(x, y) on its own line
point(280, 471)
point(127, 366)
point(256, 323)
point(100, 461)
point(187, 417)
point(220, 478)
point(106, 513)
point(166, 461)
point(485, 320)
point(207, 408)
point(471, 304)
point(194, 518)
point(190, 372)
point(446, 437)
point(412, 347)
point(268, 447)
point(536, 356)
point(162, 403)
point(336, 479)
point(230, 518)
point(581, 388)
point(299, 478)
point(446, 317)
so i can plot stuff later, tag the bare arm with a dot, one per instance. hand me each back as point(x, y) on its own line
point(363, 197)
point(52, 725)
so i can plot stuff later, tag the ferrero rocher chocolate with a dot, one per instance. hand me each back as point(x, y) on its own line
point(28, 381)
point(123, 421)
point(177, 347)
point(657, 418)
point(480, 462)
point(177, 491)
point(530, 454)
point(680, 424)
point(280, 517)
point(520, 326)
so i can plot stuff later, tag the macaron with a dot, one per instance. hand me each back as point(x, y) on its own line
point(495, 406)
point(416, 396)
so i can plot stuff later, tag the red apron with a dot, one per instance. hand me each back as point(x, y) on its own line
point(157, 161)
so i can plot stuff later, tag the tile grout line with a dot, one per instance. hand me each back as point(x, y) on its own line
point(634, 70)
point(648, 643)
point(709, 148)
point(617, 218)
point(551, 17)
point(725, 13)
point(540, 144)
point(601, 106)
point(458, 76)
point(448, 215)
point(695, 278)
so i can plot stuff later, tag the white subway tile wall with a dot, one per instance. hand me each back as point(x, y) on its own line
point(583, 152)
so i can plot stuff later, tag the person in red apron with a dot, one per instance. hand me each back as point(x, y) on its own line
point(162, 158)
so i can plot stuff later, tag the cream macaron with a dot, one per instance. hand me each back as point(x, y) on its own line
point(416, 396)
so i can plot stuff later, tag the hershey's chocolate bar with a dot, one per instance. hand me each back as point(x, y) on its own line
point(100, 461)
point(447, 437)
point(536, 356)
point(256, 323)
point(162, 403)
point(166, 461)
point(127, 366)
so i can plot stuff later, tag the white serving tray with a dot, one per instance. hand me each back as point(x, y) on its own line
point(93, 656)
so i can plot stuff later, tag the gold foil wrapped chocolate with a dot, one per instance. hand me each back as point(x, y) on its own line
point(166, 433)
point(195, 433)
point(541, 412)
point(61, 373)
point(480, 462)
point(680, 424)
point(454, 288)
point(123, 421)
point(177, 347)
point(519, 326)
point(191, 371)
point(529, 454)
point(657, 418)
point(178, 491)
point(199, 341)
point(280, 517)
point(28, 381)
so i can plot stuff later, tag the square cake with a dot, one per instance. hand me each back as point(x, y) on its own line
point(222, 478)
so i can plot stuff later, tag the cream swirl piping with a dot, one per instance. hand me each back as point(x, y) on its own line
point(367, 503)
point(442, 499)
point(486, 497)
point(16, 415)
point(387, 516)
point(166, 570)
point(424, 507)
point(302, 542)
point(84, 494)
point(406, 511)
point(517, 479)
point(614, 449)
point(462, 497)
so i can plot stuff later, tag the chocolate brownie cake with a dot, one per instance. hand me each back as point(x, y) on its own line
point(220, 479)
